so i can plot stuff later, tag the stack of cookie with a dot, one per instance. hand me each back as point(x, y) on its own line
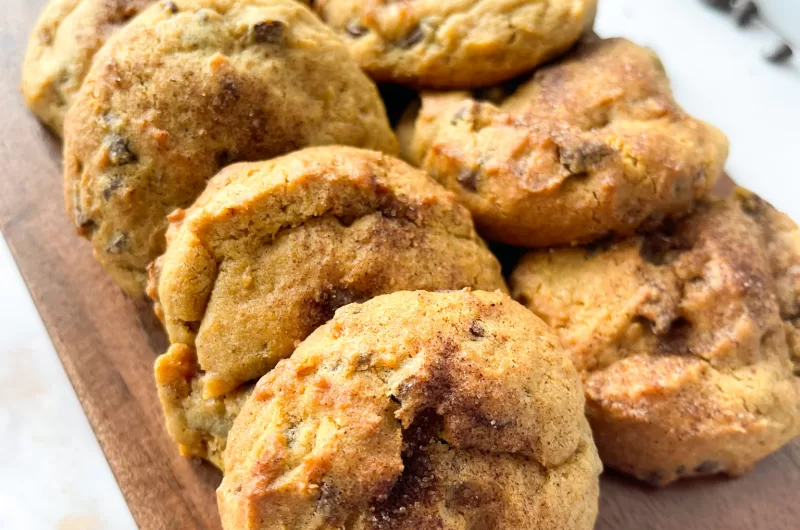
point(342, 344)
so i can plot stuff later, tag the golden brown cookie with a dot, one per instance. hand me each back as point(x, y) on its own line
point(455, 43)
point(416, 410)
point(188, 87)
point(685, 338)
point(271, 249)
point(60, 51)
point(589, 146)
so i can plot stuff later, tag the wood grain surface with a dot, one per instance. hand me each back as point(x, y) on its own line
point(108, 342)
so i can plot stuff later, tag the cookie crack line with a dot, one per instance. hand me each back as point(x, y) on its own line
point(343, 221)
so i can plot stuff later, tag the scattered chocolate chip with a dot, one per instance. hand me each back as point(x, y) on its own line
point(269, 32)
point(744, 11)
point(414, 37)
point(777, 53)
point(680, 470)
point(708, 467)
point(355, 29)
point(118, 243)
point(169, 5)
point(119, 152)
point(468, 178)
point(113, 185)
point(476, 328)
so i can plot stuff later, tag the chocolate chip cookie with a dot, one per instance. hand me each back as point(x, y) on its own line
point(416, 410)
point(456, 43)
point(185, 89)
point(688, 338)
point(271, 249)
point(60, 51)
point(589, 146)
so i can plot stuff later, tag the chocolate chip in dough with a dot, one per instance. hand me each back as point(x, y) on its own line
point(354, 29)
point(269, 32)
point(414, 37)
point(119, 152)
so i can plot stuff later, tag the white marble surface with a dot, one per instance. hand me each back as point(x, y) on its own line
point(53, 474)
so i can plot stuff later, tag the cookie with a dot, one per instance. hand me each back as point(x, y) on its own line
point(271, 249)
point(185, 89)
point(687, 338)
point(455, 43)
point(589, 146)
point(60, 51)
point(414, 410)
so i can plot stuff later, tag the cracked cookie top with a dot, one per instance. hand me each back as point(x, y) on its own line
point(453, 410)
point(687, 337)
point(271, 249)
point(185, 89)
point(60, 50)
point(591, 145)
point(455, 43)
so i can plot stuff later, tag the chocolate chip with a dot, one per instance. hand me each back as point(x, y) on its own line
point(577, 160)
point(414, 37)
point(119, 152)
point(86, 225)
point(468, 178)
point(656, 249)
point(744, 11)
point(171, 7)
point(228, 95)
point(355, 29)
point(476, 328)
point(680, 470)
point(118, 243)
point(777, 53)
point(113, 185)
point(708, 467)
point(269, 32)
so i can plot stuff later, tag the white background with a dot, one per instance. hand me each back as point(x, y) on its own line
point(53, 474)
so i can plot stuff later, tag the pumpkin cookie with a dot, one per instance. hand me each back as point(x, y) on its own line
point(590, 146)
point(688, 338)
point(455, 43)
point(270, 250)
point(188, 87)
point(416, 410)
point(60, 51)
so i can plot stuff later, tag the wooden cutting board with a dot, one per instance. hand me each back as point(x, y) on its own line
point(108, 342)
